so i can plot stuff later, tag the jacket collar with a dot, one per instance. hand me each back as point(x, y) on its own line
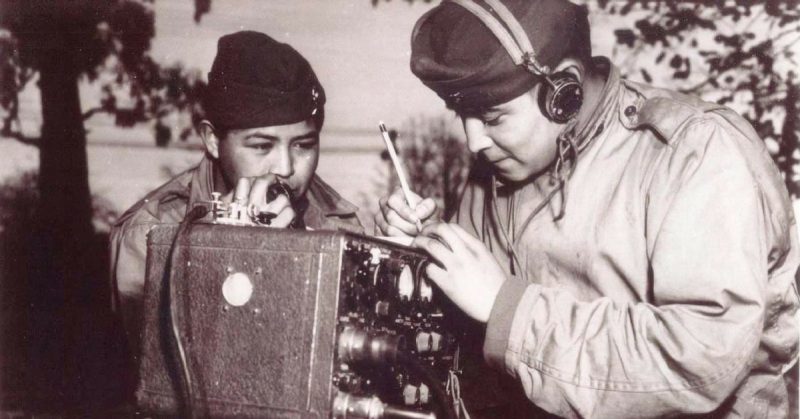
point(202, 183)
point(605, 107)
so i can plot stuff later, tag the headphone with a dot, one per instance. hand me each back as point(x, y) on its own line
point(562, 97)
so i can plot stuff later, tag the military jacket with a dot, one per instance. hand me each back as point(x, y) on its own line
point(667, 286)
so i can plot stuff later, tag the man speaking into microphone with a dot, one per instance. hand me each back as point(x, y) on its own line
point(265, 108)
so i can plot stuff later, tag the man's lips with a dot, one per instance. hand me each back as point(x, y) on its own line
point(496, 159)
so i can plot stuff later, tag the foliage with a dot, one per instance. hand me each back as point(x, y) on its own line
point(740, 54)
point(108, 44)
point(19, 196)
point(436, 160)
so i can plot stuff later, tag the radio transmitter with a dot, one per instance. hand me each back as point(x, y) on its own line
point(259, 322)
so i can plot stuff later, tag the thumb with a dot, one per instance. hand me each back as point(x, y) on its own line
point(425, 208)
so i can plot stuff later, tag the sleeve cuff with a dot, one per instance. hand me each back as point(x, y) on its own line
point(498, 327)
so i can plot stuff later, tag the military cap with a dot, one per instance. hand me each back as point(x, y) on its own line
point(459, 58)
point(257, 81)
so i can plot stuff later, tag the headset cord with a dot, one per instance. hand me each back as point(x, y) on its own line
point(511, 245)
point(169, 271)
point(566, 159)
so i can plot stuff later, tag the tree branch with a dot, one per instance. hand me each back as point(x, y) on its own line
point(32, 141)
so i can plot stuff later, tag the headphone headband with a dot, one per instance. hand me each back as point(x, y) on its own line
point(507, 29)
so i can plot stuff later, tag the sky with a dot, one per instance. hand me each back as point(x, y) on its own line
point(359, 52)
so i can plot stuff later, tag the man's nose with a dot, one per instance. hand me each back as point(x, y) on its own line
point(477, 140)
point(283, 166)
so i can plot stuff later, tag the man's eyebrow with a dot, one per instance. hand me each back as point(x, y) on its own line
point(258, 135)
point(310, 136)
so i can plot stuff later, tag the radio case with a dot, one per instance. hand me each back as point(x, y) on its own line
point(275, 354)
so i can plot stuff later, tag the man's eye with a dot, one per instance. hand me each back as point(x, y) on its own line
point(306, 145)
point(492, 121)
point(261, 146)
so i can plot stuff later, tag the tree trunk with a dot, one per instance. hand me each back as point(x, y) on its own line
point(64, 233)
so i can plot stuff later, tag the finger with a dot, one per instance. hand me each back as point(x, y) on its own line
point(383, 228)
point(380, 224)
point(242, 191)
point(425, 209)
point(396, 232)
point(398, 203)
point(382, 203)
point(412, 199)
point(445, 233)
point(258, 190)
point(439, 276)
point(398, 222)
point(284, 217)
point(435, 248)
point(280, 203)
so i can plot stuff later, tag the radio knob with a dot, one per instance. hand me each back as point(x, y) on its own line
point(436, 341)
point(237, 289)
point(410, 394)
point(405, 283)
point(423, 341)
point(382, 308)
point(425, 290)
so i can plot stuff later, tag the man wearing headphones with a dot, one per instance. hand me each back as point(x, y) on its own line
point(631, 250)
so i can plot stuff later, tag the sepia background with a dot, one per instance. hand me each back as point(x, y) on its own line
point(99, 100)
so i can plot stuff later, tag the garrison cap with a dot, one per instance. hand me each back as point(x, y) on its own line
point(256, 81)
point(459, 58)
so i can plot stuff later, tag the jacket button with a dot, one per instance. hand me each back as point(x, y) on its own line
point(630, 111)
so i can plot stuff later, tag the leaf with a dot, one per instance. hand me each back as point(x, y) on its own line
point(676, 61)
point(626, 8)
point(201, 7)
point(660, 57)
point(625, 37)
point(773, 7)
point(682, 74)
point(646, 76)
point(786, 19)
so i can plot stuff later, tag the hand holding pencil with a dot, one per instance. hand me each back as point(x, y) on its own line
point(404, 212)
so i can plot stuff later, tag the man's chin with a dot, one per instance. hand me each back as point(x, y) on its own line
point(509, 177)
point(300, 191)
point(515, 178)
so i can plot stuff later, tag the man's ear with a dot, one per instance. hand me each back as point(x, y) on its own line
point(210, 139)
point(572, 66)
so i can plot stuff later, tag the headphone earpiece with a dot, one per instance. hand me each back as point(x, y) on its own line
point(562, 97)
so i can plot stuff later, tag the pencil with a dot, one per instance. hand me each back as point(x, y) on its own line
point(399, 170)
